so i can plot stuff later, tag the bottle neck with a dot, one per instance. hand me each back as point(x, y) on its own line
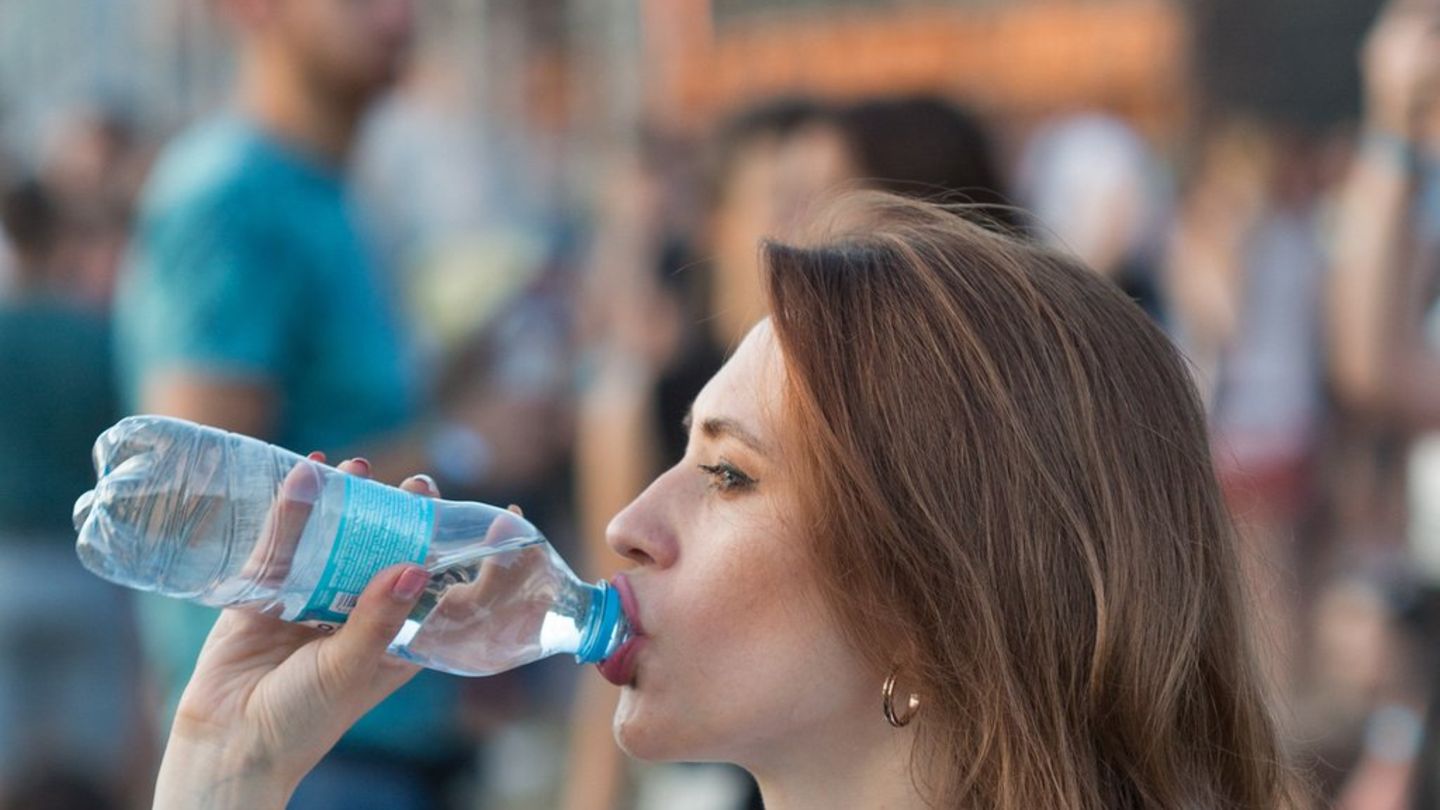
point(605, 625)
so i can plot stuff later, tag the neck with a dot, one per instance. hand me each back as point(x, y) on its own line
point(869, 769)
point(276, 94)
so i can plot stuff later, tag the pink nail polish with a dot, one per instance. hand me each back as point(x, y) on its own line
point(409, 584)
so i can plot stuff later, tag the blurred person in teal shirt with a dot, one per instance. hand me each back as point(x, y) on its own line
point(67, 658)
point(251, 301)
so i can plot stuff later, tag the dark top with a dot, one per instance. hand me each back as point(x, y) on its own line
point(56, 397)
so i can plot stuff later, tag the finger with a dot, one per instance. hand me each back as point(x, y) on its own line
point(358, 467)
point(487, 592)
point(505, 529)
point(515, 509)
point(316, 455)
point(421, 485)
point(357, 648)
point(270, 560)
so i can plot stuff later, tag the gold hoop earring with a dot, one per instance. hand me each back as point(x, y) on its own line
point(912, 706)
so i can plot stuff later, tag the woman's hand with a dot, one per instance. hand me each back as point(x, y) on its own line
point(269, 698)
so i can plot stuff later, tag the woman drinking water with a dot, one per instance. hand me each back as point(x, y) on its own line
point(946, 534)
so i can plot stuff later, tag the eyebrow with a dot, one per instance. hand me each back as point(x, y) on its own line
point(718, 426)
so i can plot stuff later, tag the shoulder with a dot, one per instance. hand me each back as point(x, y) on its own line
point(217, 169)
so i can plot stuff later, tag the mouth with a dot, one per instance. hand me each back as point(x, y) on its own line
point(619, 668)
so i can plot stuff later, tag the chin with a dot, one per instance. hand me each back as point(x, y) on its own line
point(645, 733)
point(634, 736)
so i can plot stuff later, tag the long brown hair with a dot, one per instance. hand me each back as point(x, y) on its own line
point(1013, 501)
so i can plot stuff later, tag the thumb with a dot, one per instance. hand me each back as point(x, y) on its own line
point(359, 645)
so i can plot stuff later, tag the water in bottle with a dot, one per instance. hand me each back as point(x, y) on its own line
point(225, 520)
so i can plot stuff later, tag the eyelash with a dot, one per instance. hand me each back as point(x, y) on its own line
point(726, 477)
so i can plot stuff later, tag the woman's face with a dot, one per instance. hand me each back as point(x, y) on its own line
point(740, 661)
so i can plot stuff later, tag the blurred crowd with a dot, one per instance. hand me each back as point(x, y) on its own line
point(331, 263)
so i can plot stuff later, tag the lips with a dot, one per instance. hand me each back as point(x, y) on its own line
point(619, 668)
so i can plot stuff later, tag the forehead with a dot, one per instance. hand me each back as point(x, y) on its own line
point(749, 387)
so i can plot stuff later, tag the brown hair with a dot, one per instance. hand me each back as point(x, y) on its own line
point(1013, 500)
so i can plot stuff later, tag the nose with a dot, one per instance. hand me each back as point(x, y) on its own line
point(643, 531)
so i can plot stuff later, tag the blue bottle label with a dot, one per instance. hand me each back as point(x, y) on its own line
point(379, 527)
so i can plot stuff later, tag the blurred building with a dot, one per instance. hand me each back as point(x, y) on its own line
point(1015, 59)
point(593, 67)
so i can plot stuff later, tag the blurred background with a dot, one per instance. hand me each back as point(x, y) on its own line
point(540, 219)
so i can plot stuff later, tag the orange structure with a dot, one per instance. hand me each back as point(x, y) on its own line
point(1014, 60)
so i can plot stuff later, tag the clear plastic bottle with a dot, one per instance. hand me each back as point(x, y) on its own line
point(229, 521)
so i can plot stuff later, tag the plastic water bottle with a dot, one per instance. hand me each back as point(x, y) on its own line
point(229, 521)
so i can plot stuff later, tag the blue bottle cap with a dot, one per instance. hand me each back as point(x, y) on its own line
point(600, 627)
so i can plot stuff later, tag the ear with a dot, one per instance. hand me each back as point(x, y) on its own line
point(905, 659)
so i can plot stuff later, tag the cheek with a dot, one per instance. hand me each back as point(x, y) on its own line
point(744, 590)
point(747, 657)
point(742, 694)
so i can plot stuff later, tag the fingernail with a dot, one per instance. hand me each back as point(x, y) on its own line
point(363, 464)
point(429, 483)
point(409, 584)
point(515, 509)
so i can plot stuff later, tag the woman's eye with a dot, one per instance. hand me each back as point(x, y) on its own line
point(725, 477)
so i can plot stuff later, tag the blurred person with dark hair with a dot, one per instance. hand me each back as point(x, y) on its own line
point(67, 658)
point(251, 301)
point(657, 337)
point(94, 164)
point(1385, 356)
point(930, 148)
point(32, 230)
point(770, 164)
point(94, 151)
